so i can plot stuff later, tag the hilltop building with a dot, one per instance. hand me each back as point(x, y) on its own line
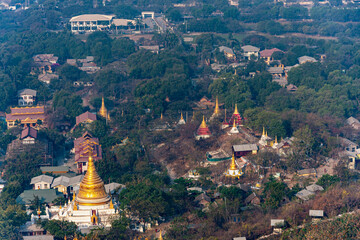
point(86, 117)
point(29, 141)
point(31, 116)
point(249, 51)
point(83, 146)
point(44, 63)
point(203, 131)
point(26, 97)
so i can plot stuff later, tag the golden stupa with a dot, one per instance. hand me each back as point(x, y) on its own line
point(103, 111)
point(217, 109)
point(203, 123)
point(232, 164)
point(92, 190)
point(236, 112)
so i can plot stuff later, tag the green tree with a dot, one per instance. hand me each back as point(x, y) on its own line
point(59, 229)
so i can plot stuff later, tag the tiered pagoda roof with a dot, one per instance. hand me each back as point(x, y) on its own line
point(203, 131)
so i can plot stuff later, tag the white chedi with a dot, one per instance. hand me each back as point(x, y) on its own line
point(234, 129)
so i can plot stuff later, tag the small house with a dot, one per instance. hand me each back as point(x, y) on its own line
point(86, 117)
point(305, 194)
point(244, 149)
point(26, 97)
point(316, 215)
point(41, 182)
point(278, 225)
point(249, 51)
point(28, 135)
point(228, 52)
point(61, 184)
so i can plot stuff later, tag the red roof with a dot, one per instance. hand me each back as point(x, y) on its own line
point(28, 132)
point(203, 131)
point(84, 144)
point(235, 117)
point(269, 52)
point(85, 117)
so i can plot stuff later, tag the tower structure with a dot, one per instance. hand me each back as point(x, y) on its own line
point(233, 170)
point(103, 111)
point(217, 109)
point(234, 129)
point(203, 131)
point(235, 117)
point(181, 121)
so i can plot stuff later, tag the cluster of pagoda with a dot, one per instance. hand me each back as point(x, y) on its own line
point(235, 120)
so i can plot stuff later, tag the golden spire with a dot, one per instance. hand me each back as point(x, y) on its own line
point(276, 140)
point(160, 236)
point(233, 165)
point(203, 123)
point(181, 116)
point(92, 190)
point(236, 110)
point(103, 110)
point(266, 134)
point(217, 109)
point(161, 117)
point(263, 134)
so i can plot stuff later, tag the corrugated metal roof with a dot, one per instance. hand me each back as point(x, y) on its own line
point(92, 17)
point(245, 147)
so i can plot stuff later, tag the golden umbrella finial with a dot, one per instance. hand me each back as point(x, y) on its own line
point(217, 109)
point(233, 165)
point(203, 123)
point(263, 131)
point(103, 110)
point(236, 110)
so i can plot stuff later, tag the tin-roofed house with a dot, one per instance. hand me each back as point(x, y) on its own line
point(244, 149)
point(26, 97)
point(41, 182)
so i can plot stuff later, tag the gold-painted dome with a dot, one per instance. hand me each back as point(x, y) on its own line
point(92, 190)
point(233, 165)
point(103, 111)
